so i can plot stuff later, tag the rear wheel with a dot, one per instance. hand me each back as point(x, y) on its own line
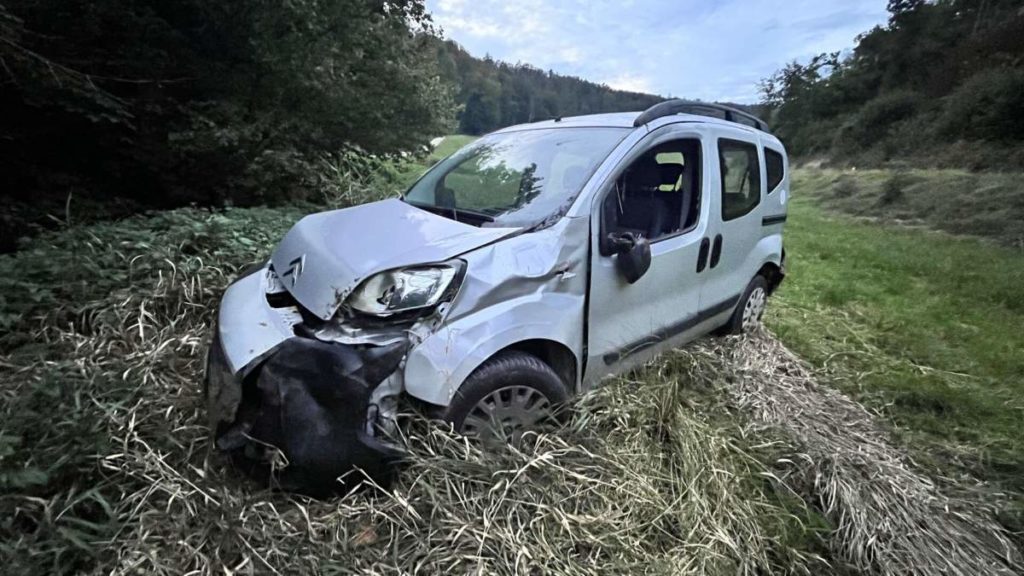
point(749, 309)
point(508, 395)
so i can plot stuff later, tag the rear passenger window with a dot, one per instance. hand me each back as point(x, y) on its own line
point(741, 178)
point(776, 168)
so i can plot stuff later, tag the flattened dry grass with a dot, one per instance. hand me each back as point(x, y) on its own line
point(919, 325)
point(106, 465)
point(699, 464)
point(889, 518)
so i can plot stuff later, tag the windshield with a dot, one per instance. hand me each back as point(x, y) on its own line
point(515, 179)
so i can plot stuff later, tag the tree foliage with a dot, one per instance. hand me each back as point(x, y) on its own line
point(495, 94)
point(114, 106)
point(165, 103)
point(939, 79)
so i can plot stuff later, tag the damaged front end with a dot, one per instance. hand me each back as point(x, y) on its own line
point(305, 369)
point(300, 400)
point(302, 416)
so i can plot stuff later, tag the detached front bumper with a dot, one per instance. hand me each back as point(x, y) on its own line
point(271, 393)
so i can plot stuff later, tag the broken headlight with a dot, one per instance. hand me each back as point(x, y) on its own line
point(406, 289)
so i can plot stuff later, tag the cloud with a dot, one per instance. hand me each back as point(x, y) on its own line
point(631, 83)
point(691, 48)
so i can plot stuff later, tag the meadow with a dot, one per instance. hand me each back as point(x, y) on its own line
point(870, 430)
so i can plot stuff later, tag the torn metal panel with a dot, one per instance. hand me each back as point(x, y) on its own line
point(247, 325)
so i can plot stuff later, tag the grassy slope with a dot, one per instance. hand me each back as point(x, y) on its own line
point(925, 327)
point(103, 330)
point(986, 204)
point(448, 146)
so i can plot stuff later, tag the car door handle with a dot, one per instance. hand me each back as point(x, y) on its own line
point(702, 255)
point(716, 251)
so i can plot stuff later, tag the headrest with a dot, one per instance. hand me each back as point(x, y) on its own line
point(651, 175)
point(670, 173)
point(645, 175)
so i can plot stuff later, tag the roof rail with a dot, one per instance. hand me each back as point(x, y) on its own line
point(727, 113)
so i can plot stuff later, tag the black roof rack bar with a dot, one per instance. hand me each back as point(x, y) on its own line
point(672, 107)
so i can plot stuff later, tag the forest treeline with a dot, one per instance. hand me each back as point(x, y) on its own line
point(115, 106)
point(493, 94)
point(110, 107)
point(940, 85)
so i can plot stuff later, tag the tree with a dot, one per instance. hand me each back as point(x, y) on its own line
point(166, 102)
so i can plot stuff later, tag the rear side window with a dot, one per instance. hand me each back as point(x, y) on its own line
point(741, 178)
point(776, 168)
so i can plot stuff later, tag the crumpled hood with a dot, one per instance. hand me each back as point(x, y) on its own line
point(325, 256)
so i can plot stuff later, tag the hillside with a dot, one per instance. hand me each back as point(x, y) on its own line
point(941, 85)
point(493, 94)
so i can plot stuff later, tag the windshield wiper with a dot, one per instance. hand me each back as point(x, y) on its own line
point(451, 212)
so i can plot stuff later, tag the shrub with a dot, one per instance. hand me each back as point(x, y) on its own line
point(873, 122)
point(844, 187)
point(989, 105)
point(892, 189)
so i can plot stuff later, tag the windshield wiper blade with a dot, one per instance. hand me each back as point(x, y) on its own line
point(453, 213)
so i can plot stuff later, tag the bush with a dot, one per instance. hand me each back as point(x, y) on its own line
point(892, 189)
point(873, 122)
point(226, 102)
point(989, 105)
point(844, 187)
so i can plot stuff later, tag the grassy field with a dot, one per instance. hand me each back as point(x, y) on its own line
point(447, 147)
point(727, 457)
point(106, 467)
point(925, 327)
point(985, 204)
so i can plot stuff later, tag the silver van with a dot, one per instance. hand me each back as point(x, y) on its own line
point(514, 274)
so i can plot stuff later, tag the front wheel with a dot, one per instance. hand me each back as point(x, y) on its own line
point(510, 394)
point(749, 309)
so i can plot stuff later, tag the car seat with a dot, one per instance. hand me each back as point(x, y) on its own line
point(645, 209)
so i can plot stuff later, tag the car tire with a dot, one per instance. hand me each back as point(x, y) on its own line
point(749, 309)
point(518, 388)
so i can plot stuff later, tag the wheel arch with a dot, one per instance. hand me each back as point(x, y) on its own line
point(437, 367)
point(556, 355)
point(773, 273)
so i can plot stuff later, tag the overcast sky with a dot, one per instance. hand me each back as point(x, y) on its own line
point(706, 49)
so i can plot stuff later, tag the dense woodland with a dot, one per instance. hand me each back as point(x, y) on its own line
point(494, 94)
point(115, 106)
point(941, 85)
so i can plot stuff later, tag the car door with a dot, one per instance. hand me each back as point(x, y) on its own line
point(737, 191)
point(627, 319)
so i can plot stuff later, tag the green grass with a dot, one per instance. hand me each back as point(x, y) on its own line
point(925, 327)
point(449, 146)
point(986, 204)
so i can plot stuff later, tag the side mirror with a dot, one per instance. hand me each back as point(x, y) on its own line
point(632, 254)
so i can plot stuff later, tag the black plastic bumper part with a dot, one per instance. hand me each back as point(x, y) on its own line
point(309, 401)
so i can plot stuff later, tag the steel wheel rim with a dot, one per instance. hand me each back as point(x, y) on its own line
point(506, 413)
point(754, 308)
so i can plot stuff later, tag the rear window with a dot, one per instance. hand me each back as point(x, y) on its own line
point(776, 168)
point(741, 178)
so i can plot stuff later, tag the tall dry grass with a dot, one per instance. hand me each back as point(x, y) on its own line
point(698, 464)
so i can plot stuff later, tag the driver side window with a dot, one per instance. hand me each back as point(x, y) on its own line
point(658, 195)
